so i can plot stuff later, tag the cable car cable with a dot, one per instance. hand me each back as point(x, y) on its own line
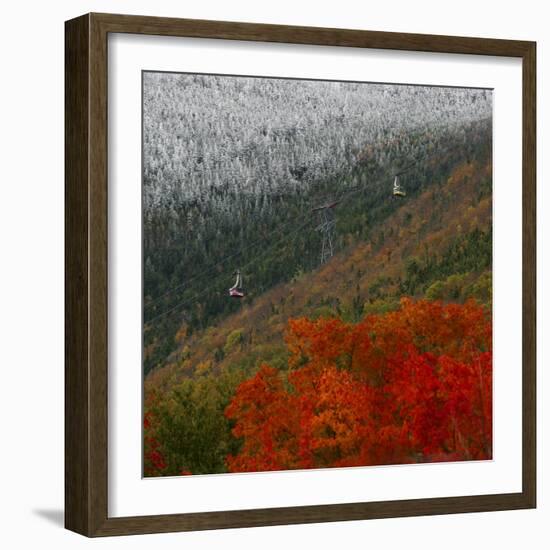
point(220, 261)
point(210, 287)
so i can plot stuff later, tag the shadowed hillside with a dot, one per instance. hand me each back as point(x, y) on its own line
point(355, 220)
point(436, 245)
point(233, 166)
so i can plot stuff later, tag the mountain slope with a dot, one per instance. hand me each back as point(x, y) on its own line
point(228, 161)
point(437, 244)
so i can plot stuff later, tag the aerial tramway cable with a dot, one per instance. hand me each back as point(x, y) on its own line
point(213, 265)
point(326, 225)
point(212, 286)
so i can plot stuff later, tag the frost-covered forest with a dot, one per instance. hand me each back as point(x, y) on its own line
point(234, 165)
point(261, 137)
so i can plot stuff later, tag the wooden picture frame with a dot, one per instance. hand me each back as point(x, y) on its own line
point(86, 359)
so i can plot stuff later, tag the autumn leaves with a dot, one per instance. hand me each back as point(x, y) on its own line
point(413, 385)
point(409, 386)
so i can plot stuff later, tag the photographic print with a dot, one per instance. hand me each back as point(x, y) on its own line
point(317, 274)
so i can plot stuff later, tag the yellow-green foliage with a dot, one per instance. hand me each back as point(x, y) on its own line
point(482, 289)
point(233, 339)
point(449, 289)
point(190, 423)
point(381, 306)
point(463, 286)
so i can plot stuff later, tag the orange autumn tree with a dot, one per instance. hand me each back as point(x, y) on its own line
point(414, 385)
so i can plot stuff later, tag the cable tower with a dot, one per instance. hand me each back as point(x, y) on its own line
point(326, 228)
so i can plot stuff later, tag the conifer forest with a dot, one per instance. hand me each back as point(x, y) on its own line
point(317, 274)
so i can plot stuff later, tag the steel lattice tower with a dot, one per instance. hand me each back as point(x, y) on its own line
point(326, 227)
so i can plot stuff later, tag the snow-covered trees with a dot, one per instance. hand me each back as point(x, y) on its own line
point(233, 161)
point(256, 136)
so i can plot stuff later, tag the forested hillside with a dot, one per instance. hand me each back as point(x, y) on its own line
point(436, 246)
point(234, 166)
point(379, 352)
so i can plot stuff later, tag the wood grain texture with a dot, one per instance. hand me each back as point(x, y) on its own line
point(529, 274)
point(77, 459)
point(86, 363)
point(165, 26)
point(310, 514)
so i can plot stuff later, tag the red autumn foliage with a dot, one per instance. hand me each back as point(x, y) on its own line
point(154, 463)
point(414, 385)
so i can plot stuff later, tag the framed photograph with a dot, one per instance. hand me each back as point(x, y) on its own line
point(300, 275)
